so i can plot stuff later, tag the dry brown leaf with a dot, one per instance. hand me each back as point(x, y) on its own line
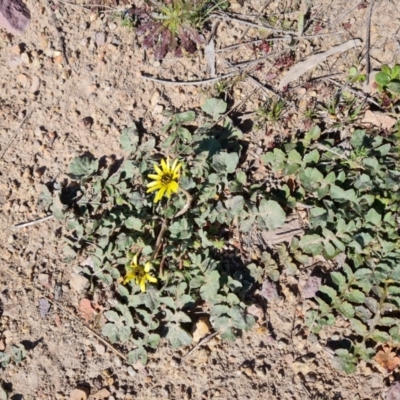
point(378, 119)
point(86, 310)
point(387, 359)
point(200, 329)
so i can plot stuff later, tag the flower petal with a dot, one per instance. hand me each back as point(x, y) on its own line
point(134, 259)
point(174, 187)
point(152, 189)
point(164, 166)
point(158, 170)
point(147, 267)
point(143, 285)
point(160, 194)
point(151, 184)
point(155, 177)
point(151, 279)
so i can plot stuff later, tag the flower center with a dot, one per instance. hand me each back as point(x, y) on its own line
point(166, 179)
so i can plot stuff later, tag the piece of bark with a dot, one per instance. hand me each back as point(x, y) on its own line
point(311, 62)
point(293, 227)
point(14, 16)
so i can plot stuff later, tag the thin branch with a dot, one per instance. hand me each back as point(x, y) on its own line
point(36, 221)
point(187, 83)
point(186, 207)
point(14, 135)
point(87, 6)
point(203, 341)
point(234, 46)
point(368, 41)
point(356, 92)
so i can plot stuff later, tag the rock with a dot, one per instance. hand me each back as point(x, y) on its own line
point(14, 16)
point(79, 283)
point(102, 394)
point(78, 394)
point(394, 391)
point(100, 38)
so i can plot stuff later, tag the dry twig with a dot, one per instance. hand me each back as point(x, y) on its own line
point(187, 83)
point(36, 221)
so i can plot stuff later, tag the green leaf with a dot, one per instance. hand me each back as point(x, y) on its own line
point(387, 321)
point(346, 309)
point(153, 340)
point(355, 296)
point(129, 138)
point(187, 116)
point(373, 217)
point(225, 162)
point(382, 79)
point(394, 87)
point(184, 134)
point(379, 336)
point(256, 272)
point(345, 361)
point(180, 229)
point(3, 393)
point(358, 327)
point(139, 354)
point(311, 179)
point(112, 316)
point(210, 289)
point(312, 244)
point(313, 134)
point(177, 336)
point(270, 215)
point(133, 223)
point(339, 280)
point(214, 107)
point(83, 166)
point(241, 177)
point(329, 291)
point(111, 332)
point(341, 195)
point(358, 138)
point(311, 157)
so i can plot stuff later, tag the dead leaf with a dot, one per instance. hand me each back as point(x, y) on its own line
point(209, 53)
point(387, 359)
point(86, 310)
point(378, 119)
point(200, 329)
point(311, 62)
point(78, 394)
point(311, 287)
point(394, 391)
point(269, 290)
point(44, 306)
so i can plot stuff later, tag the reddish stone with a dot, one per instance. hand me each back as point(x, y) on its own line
point(14, 16)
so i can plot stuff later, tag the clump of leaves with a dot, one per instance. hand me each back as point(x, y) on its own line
point(165, 261)
point(16, 354)
point(270, 112)
point(388, 79)
point(174, 25)
point(353, 190)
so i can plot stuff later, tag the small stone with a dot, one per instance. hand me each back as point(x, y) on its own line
point(102, 394)
point(87, 122)
point(200, 329)
point(100, 38)
point(154, 98)
point(117, 362)
point(100, 349)
point(131, 372)
point(35, 86)
point(158, 109)
point(112, 26)
point(25, 58)
point(79, 283)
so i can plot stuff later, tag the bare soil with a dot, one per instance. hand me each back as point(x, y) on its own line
point(45, 101)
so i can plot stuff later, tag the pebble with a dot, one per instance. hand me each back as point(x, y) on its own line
point(131, 372)
point(117, 362)
point(158, 109)
point(100, 38)
point(25, 58)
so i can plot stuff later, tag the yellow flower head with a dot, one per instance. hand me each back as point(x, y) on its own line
point(166, 179)
point(139, 274)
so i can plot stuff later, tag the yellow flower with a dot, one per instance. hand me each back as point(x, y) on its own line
point(166, 179)
point(139, 274)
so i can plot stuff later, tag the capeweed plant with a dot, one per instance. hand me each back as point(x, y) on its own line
point(389, 79)
point(155, 227)
point(353, 190)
